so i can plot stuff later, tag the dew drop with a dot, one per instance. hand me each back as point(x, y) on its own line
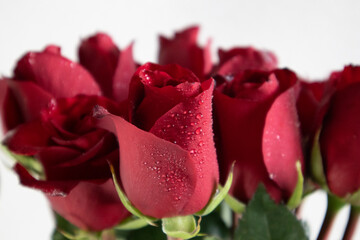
point(198, 131)
point(201, 143)
point(199, 116)
point(278, 137)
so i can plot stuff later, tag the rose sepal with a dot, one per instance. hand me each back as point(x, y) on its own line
point(235, 205)
point(30, 163)
point(218, 196)
point(126, 202)
point(316, 163)
point(132, 223)
point(297, 194)
point(183, 227)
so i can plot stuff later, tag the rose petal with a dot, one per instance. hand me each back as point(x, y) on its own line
point(52, 188)
point(237, 60)
point(124, 71)
point(56, 74)
point(31, 98)
point(281, 142)
point(183, 50)
point(9, 109)
point(83, 142)
point(27, 139)
point(100, 56)
point(189, 125)
point(91, 205)
point(79, 168)
point(159, 177)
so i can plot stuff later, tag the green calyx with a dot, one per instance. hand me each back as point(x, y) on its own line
point(219, 196)
point(183, 227)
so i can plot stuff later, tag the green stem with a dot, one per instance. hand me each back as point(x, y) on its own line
point(352, 223)
point(235, 223)
point(333, 208)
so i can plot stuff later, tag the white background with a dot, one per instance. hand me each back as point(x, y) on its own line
point(312, 37)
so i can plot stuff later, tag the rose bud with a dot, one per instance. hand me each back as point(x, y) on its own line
point(239, 59)
point(312, 104)
point(40, 77)
point(74, 155)
point(111, 67)
point(256, 126)
point(183, 50)
point(340, 135)
point(168, 167)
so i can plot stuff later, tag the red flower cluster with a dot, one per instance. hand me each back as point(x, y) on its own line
point(173, 130)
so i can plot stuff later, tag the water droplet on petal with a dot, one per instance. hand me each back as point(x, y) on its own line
point(198, 131)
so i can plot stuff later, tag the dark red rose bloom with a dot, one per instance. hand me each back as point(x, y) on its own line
point(168, 168)
point(40, 77)
point(236, 60)
point(111, 67)
point(257, 126)
point(184, 50)
point(340, 134)
point(74, 154)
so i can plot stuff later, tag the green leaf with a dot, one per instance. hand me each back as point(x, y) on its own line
point(31, 164)
point(126, 202)
point(132, 223)
point(265, 220)
point(296, 196)
point(183, 227)
point(219, 196)
point(316, 164)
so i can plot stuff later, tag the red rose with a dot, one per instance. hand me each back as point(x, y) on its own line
point(257, 126)
point(39, 77)
point(340, 132)
point(111, 67)
point(50, 121)
point(183, 50)
point(169, 168)
point(73, 153)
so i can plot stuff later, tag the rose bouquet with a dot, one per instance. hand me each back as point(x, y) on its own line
point(121, 147)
